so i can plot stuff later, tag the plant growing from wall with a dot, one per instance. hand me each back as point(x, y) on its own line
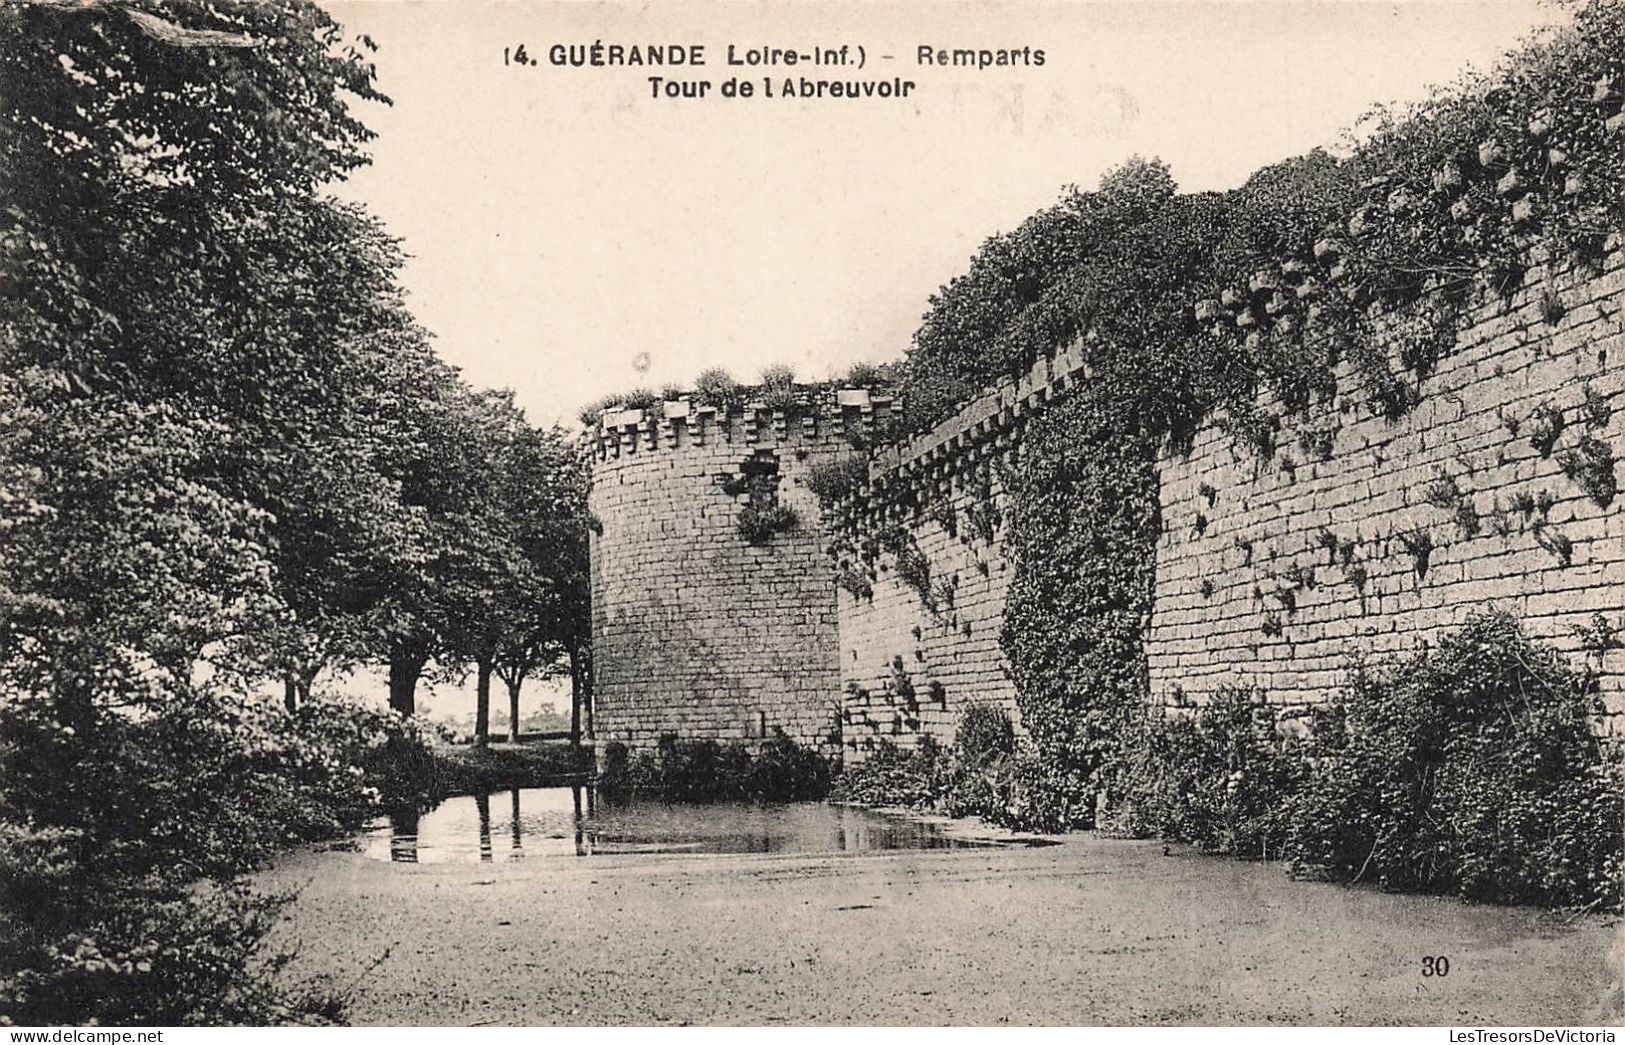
point(1418, 544)
point(1318, 442)
point(1591, 466)
point(912, 566)
point(758, 524)
point(855, 582)
point(1595, 408)
point(1444, 494)
point(837, 478)
point(982, 517)
point(1556, 542)
point(1546, 426)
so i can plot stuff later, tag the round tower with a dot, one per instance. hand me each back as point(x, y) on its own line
point(713, 600)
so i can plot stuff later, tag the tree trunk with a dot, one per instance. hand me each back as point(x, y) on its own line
point(290, 693)
point(304, 680)
point(587, 696)
point(513, 711)
point(575, 698)
point(482, 703)
point(405, 668)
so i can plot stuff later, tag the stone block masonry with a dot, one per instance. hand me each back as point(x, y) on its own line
point(1359, 535)
point(1356, 535)
point(697, 631)
point(917, 650)
point(1364, 535)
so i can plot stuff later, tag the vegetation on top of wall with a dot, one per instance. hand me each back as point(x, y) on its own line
point(1468, 188)
point(715, 387)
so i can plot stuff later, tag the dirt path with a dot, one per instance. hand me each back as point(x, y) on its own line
point(1093, 931)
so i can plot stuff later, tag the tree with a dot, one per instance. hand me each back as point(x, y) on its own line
point(544, 494)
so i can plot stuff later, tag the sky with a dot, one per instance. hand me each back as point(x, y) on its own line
point(572, 236)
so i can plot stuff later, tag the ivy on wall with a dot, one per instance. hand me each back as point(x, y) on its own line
point(1082, 539)
point(1191, 305)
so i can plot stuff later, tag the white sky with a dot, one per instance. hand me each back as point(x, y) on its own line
point(561, 222)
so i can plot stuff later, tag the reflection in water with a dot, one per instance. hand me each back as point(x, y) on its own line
point(403, 836)
point(573, 821)
point(518, 831)
point(482, 804)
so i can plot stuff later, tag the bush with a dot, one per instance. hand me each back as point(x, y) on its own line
point(891, 776)
point(1469, 769)
point(122, 843)
point(983, 781)
point(780, 770)
point(778, 376)
point(865, 375)
point(716, 387)
point(988, 775)
point(833, 479)
point(784, 771)
point(985, 734)
point(1220, 779)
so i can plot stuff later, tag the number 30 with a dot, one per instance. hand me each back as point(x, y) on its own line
point(1435, 966)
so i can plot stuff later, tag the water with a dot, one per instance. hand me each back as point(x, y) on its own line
point(546, 822)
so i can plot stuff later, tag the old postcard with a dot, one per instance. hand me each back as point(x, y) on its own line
point(523, 513)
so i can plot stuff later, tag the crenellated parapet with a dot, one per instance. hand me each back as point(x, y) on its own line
point(963, 448)
point(858, 416)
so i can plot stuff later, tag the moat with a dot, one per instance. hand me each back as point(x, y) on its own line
point(546, 822)
point(1093, 930)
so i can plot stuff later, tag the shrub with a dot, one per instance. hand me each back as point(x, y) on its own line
point(758, 523)
point(780, 770)
point(834, 479)
point(1219, 779)
point(778, 376)
point(985, 734)
point(982, 781)
point(1469, 769)
point(122, 842)
point(784, 771)
point(591, 414)
point(716, 387)
point(891, 776)
point(865, 375)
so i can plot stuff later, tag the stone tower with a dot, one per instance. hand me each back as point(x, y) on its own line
point(713, 600)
